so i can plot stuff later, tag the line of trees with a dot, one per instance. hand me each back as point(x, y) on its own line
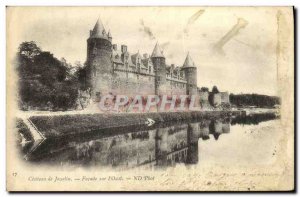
point(45, 83)
point(254, 100)
point(253, 119)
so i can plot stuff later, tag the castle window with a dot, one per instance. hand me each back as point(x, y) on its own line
point(94, 73)
point(158, 79)
point(94, 50)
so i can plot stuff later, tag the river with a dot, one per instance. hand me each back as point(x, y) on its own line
point(246, 140)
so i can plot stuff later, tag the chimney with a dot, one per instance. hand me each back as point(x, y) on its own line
point(123, 48)
point(115, 47)
point(145, 55)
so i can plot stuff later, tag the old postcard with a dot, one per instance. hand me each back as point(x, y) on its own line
point(150, 99)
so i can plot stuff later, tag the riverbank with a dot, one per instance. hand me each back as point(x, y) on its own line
point(250, 111)
point(72, 124)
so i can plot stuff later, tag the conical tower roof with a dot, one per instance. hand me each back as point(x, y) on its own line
point(157, 52)
point(188, 62)
point(99, 30)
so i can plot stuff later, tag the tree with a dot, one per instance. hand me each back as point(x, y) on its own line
point(29, 49)
point(215, 90)
point(204, 89)
point(43, 80)
point(256, 100)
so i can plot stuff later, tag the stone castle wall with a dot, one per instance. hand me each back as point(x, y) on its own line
point(216, 101)
point(220, 98)
point(131, 83)
point(176, 87)
point(204, 102)
point(224, 97)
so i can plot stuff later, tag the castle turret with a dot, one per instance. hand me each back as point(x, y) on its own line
point(159, 64)
point(192, 140)
point(190, 71)
point(99, 65)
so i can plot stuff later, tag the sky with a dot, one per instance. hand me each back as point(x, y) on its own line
point(234, 48)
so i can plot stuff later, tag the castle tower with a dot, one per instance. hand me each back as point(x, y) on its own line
point(192, 140)
point(161, 146)
point(190, 71)
point(99, 64)
point(159, 64)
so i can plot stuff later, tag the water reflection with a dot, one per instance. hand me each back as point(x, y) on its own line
point(160, 145)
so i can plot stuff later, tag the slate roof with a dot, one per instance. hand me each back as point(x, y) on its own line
point(99, 30)
point(157, 52)
point(188, 62)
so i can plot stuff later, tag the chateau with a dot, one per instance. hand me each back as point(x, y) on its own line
point(112, 69)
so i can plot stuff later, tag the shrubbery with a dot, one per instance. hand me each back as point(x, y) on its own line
point(45, 83)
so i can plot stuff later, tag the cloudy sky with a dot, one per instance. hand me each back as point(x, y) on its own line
point(236, 57)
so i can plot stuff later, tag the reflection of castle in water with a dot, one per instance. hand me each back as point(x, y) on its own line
point(164, 146)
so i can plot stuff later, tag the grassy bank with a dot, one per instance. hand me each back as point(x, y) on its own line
point(54, 126)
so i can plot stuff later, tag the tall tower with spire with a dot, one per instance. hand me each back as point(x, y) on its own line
point(190, 71)
point(159, 65)
point(99, 64)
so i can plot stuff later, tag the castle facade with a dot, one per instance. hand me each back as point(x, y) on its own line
point(114, 70)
